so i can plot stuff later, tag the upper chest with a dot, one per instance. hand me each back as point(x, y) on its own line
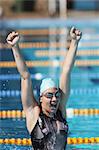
point(47, 125)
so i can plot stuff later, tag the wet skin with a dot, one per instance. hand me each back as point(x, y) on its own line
point(50, 100)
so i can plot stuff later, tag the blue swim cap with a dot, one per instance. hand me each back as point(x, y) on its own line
point(47, 83)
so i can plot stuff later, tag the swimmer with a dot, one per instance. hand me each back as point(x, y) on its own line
point(46, 120)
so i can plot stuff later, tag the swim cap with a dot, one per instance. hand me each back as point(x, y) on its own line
point(46, 84)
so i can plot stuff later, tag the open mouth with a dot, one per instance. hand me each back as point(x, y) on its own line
point(54, 105)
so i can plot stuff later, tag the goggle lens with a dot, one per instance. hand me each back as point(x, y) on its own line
point(50, 95)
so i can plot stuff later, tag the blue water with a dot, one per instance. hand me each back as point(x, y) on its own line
point(84, 86)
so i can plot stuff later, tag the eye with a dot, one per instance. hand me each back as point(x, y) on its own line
point(58, 94)
point(49, 95)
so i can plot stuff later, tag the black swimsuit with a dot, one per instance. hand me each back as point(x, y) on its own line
point(50, 133)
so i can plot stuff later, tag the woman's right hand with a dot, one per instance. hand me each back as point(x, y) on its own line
point(75, 34)
point(13, 38)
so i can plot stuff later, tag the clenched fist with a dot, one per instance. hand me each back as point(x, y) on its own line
point(13, 38)
point(75, 34)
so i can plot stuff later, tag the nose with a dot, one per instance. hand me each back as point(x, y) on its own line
point(53, 99)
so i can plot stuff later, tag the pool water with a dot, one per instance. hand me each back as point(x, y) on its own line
point(84, 87)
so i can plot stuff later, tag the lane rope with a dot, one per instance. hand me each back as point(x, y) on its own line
point(51, 45)
point(78, 91)
point(70, 113)
point(39, 76)
point(70, 140)
point(84, 63)
point(45, 53)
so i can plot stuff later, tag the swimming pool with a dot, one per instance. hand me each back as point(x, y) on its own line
point(82, 107)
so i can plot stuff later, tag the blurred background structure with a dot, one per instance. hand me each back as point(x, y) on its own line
point(48, 8)
point(44, 27)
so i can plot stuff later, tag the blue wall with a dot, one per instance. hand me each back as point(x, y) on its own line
point(85, 4)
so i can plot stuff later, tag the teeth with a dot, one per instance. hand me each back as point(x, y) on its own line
point(53, 110)
point(53, 107)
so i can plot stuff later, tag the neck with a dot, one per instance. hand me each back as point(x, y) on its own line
point(48, 114)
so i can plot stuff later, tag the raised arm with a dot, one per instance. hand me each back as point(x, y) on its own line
point(68, 65)
point(30, 106)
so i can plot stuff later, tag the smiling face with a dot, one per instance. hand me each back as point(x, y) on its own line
point(50, 101)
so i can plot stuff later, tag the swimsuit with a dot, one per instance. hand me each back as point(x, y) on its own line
point(50, 133)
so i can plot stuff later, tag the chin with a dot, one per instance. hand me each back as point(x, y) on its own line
point(51, 115)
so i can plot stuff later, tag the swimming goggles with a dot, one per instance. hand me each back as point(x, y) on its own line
point(50, 95)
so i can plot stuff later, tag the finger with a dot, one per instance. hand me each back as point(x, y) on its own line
point(9, 42)
point(15, 39)
point(80, 33)
point(16, 33)
point(77, 32)
point(13, 33)
point(72, 30)
point(15, 36)
point(9, 35)
point(9, 38)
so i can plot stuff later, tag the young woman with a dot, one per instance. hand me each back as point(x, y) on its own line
point(46, 122)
